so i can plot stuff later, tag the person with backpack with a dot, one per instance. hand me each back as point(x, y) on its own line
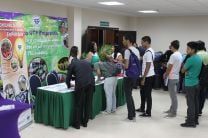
point(131, 74)
point(148, 74)
point(203, 75)
point(172, 74)
point(109, 71)
point(192, 69)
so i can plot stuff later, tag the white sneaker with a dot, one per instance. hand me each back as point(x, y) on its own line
point(105, 113)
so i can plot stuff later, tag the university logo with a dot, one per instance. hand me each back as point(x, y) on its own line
point(36, 21)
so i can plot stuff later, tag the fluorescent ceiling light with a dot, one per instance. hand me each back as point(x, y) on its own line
point(111, 3)
point(148, 11)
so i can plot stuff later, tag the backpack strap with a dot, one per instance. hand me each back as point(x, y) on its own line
point(151, 53)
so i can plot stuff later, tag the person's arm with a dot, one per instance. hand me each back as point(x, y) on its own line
point(186, 66)
point(120, 58)
point(126, 59)
point(69, 76)
point(89, 56)
point(148, 65)
point(169, 67)
point(97, 70)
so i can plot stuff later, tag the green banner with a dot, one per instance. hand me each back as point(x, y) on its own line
point(46, 42)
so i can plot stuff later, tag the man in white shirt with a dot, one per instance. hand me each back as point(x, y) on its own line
point(129, 81)
point(148, 74)
point(172, 74)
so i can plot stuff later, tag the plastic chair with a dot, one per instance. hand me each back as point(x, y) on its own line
point(35, 82)
point(51, 79)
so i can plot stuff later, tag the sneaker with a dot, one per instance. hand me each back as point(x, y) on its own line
point(170, 115)
point(145, 115)
point(114, 111)
point(188, 125)
point(140, 110)
point(105, 113)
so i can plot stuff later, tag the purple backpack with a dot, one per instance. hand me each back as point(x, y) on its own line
point(134, 69)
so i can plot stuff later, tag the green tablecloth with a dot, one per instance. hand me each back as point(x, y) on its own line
point(56, 109)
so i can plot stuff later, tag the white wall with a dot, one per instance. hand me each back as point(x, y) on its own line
point(30, 7)
point(93, 18)
point(165, 29)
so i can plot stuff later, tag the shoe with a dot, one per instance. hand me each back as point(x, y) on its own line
point(197, 122)
point(133, 119)
point(75, 126)
point(188, 125)
point(140, 110)
point(105, 113)
point(167, 112)
point(145, 115)
point(84, 125)
point(113, 112)
point(170, 115)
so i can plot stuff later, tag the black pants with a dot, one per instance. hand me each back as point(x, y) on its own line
point(202, 98)
point(192, 97)
point(83, 105)
point(146, 94)
point(128, 87)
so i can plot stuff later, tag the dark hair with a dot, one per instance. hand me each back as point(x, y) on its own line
point(175, 44)
point(201, 45)
point(193, 45)
point(91, 47)
point(129, 37)
point(74, 51)
point(146, 39)
point(116, 51)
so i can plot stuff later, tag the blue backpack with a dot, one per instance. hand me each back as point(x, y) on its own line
point(134, 69)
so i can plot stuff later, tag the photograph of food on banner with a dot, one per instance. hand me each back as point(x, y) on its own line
point(13, 61)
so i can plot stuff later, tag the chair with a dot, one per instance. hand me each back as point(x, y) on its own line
point(35, 82)
point(56, 74)
point(51, 79)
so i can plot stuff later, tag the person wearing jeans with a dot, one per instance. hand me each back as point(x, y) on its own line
point(110, 84)
point(192, 69)
point(172, 74)
point(128, 80)
point(148, 74)
point(108, 71)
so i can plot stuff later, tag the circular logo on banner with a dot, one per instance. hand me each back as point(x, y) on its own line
point(36, 21)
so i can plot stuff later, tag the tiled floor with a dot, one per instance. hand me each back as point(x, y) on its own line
point(115, 126)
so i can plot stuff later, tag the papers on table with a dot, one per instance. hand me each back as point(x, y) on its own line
point(60, 88)
point(7, 107)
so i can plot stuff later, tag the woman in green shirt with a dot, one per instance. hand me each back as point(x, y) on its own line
point(92, 55)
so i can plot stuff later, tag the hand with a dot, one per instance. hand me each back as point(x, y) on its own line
point(165, 76)
point(143, 82)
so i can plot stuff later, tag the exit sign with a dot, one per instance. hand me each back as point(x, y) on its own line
point(104, 24)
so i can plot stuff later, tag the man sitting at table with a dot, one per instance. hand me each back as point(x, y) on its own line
point(84, 87)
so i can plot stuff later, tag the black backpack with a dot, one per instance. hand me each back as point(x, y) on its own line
point(204, 76)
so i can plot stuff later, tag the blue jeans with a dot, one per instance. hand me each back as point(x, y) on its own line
point(110, 93)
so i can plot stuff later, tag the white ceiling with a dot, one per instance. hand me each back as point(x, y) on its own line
point(165, 7)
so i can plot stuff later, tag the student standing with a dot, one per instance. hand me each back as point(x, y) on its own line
point(84, 87)
point(203, 76)
point(192, 69)
point(130, 80)
point(109, 72)
point(172, 74)
point(148, 74)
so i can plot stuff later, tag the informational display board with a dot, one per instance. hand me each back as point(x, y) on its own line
point(14, 64)
point(47, 46)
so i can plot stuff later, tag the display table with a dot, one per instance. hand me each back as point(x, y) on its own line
point(9, 118)
point(55, 103)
